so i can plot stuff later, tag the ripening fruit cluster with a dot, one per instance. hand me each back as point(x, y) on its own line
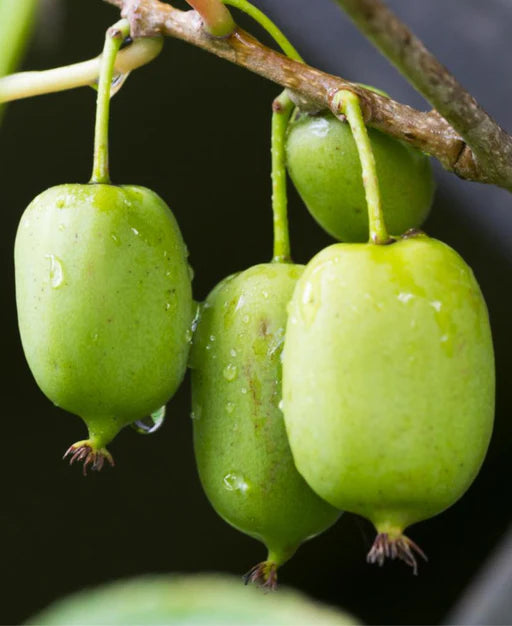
point(361, 382)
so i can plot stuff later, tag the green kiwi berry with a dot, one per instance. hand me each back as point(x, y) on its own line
point(242, 452)
point(104, 305)
point(323, 163)
point(388, 382)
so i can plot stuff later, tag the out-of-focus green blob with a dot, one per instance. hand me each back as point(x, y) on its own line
point(16, 21)
point(209, 600)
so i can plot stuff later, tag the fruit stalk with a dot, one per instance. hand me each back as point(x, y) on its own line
point(281, 110)
point(28, 84)
point(266, 23)
point(217, 19)
point(113, 40)
point(348, 104)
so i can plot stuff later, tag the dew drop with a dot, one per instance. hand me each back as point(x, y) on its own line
point(115, 239)
point(232, 352)
point(188, 335)
point(280, 406)
point(230, 372)
point(151, 423)
point(235, 482)
point(167, 306)
point(405, 297)
point(243, 390)
point(195, 321)
point(117, 82)
point(245, 319)
point(56, 272)
point(436, 305)
point(240, 303)
point(134, 231)
point(230, 407)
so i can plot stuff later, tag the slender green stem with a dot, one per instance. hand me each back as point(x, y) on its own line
point(28, 84)
point(268, 25)
point(113, 40)
point(217, 19)
point(281, 111)
point(348, 103)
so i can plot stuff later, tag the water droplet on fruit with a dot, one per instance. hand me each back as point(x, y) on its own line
point(265, 294)
point(230, 372)
point(197, 412)
point(235, 482)
point(319, 127)
point(115, 239)
point(436, 305)
point(245, 319)
point(188, 335)
point(117, 82)
point(230, 407)
point(167, 306)
point(94, 337)
point(405, 297)
point(232, 352)
point(280, 406)
point(243, 390)
point(310, 302)
point(56, 271)
point(151, 423)
point(135, 231)
point(277, 342)
point(240, 303)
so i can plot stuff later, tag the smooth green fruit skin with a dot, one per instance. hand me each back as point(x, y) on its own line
point(243, 457)
point(188, 600)
point(104, 301)
point(323, 163)
point(388, 379)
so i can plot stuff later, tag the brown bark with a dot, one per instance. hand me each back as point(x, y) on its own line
point(428, 131)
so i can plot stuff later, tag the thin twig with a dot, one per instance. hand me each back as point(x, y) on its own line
point(428, 131)
point(491, 145)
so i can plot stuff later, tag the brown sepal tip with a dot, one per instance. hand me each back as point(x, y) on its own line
point(264, 575)
point(395, 547)
point(91, 457)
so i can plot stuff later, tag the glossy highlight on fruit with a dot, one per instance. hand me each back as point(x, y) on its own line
point(104, 305)
point(388, 382)
point(323, 163)
point(241, 448)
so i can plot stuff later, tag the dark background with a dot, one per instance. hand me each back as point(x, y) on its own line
point(196, 130)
